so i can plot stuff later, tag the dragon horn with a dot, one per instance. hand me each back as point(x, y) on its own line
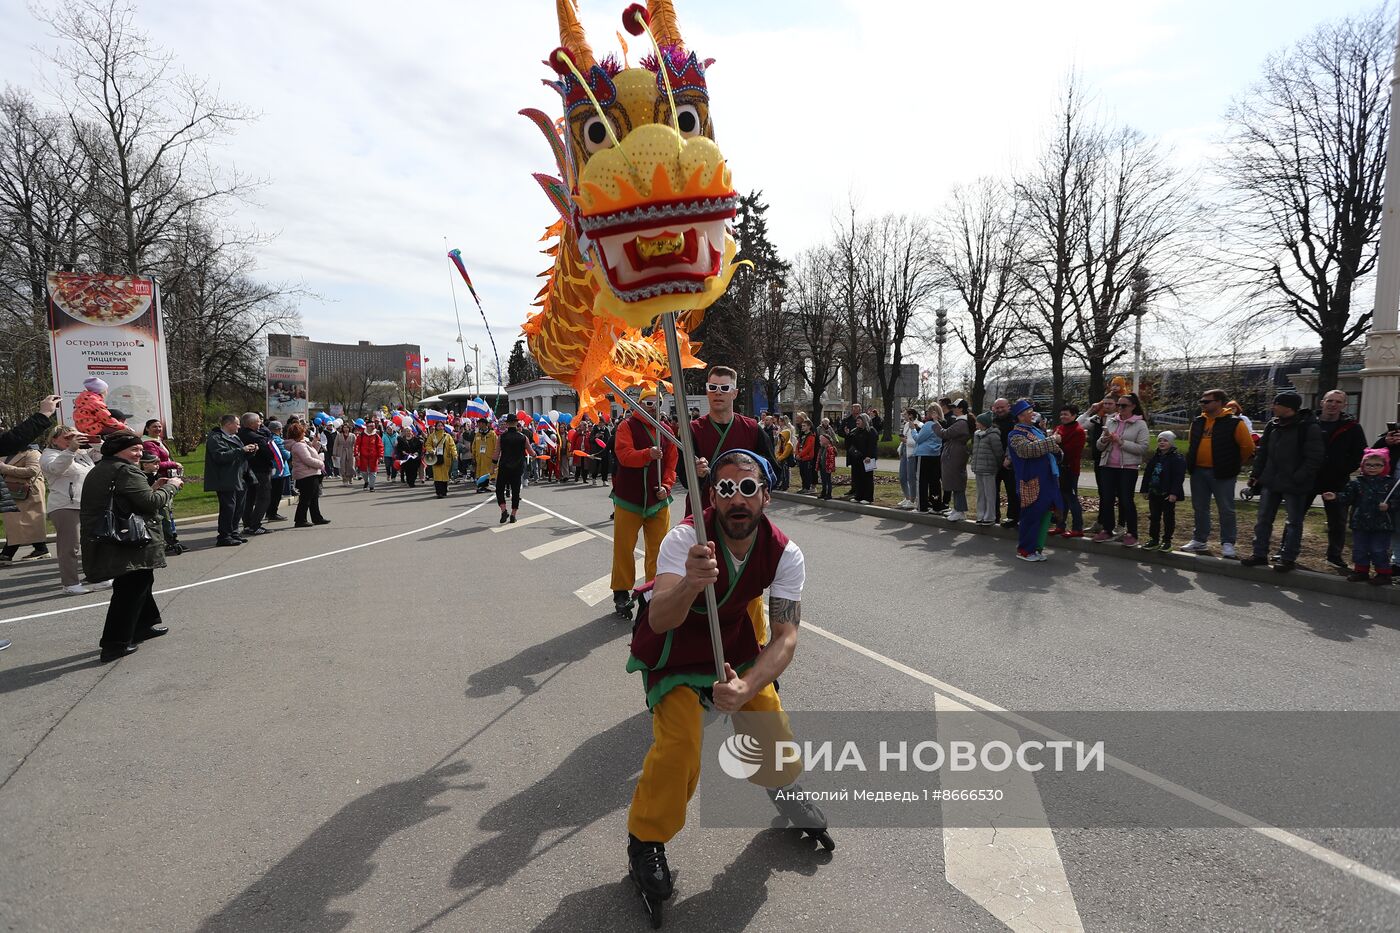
point(572, 37)
point(663, 23)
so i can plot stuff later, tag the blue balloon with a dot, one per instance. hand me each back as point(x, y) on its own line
point(359, 422)
point(565, 417)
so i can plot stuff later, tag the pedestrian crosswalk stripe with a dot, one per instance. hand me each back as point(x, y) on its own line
point(558, 544)
point(600, 589)
point(1014, 872)
point(521, 521)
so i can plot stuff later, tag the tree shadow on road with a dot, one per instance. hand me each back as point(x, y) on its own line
point(336, 860)
point(732, 902)
point(521, 670)
point(31, 675)
point(1333, 618)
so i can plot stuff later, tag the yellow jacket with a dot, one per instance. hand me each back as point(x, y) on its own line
point(784, 446)
point(442, 470)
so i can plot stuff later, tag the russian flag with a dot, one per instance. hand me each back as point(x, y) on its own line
point(477, 408)
point(434, 415)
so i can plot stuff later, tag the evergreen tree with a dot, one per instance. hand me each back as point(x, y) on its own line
point(730, 327)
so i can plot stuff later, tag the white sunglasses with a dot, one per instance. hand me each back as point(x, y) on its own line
point(718, 386)
point(747, 487)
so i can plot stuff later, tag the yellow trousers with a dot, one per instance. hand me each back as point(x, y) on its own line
point(671, 770)
point(626, 524)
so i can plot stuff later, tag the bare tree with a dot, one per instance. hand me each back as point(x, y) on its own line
point(980, 242)
point(816, 325)
point(43, 195)
point(440, 379)
point(773, 338)
point(1050, 195)
point(144, 126)
point(849, 245)
point(1305, 170)
point(1135, 213)
point(898, 279)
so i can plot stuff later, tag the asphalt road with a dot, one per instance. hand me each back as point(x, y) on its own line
point(402, 722)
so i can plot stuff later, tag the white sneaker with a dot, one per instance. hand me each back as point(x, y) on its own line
point(104, 585)
point(1194, 545)
point(1228, 550)
point(955, 516)
point(905, 504)
point(1041, 555)
point(77, 590)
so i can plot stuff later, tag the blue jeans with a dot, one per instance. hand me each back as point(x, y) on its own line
point(1370, 549)
point(1205, 486)
point(1295, 507)
point(1074, 510)
point(908, 484)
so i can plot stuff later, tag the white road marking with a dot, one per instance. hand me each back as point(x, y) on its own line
point(1014, 873)
point(600, 589)
point(244, 573)
point(519, 522)
point(595, 533)
point(558, 544)
point(1363, 872)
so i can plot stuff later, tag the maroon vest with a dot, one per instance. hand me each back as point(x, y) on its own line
point(710, 442)
point(635, 487)
point(683, 656)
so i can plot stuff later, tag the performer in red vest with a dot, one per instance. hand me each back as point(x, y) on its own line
point(725, 429)
point(746, 555)
point(641, 498)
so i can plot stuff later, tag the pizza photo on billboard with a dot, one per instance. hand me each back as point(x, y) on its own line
point(101, 299)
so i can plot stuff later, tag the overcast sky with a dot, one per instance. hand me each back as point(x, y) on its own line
point(384, 128)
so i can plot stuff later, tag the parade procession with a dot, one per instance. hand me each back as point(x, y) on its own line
point(1036, 370)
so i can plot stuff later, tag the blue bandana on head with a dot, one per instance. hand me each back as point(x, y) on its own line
point(769, 478)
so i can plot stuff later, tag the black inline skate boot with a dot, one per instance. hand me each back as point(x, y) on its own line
point(802, 814)
point(646, 866)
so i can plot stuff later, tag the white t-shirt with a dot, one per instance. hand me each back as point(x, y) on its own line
point(787, 582)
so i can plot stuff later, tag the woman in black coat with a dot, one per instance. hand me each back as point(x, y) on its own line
point(863, 443)
point(132, 615)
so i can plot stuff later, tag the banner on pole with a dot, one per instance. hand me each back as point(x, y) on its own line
point(109, 326)
point(286, 388)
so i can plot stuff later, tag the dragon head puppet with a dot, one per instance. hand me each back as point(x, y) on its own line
point(645, 203)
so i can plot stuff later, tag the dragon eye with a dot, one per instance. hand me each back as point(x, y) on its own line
point(688, 119)
point(595, 135)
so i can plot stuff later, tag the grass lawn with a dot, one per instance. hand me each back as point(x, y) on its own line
point(192, 499)
point(1314, 550)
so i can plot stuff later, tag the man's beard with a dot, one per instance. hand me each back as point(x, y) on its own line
point(737, 528)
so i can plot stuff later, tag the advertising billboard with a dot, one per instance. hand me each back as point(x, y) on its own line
point(286, 389)
point(109, 327)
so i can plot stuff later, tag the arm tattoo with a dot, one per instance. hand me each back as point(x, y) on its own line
point(784, 611)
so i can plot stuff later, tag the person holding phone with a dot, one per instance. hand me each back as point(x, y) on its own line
point(66, 463)
point(116, 482)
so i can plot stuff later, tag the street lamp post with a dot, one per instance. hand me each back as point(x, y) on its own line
point(940, 337)
point(476, 369)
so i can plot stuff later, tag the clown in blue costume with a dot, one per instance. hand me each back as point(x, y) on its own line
point(1035, 460)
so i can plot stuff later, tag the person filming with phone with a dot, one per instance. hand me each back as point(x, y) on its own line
point(122, 541)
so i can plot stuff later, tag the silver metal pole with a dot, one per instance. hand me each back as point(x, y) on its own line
point(646, 416)
point(692, 482)
point(1137, 351)
point(1380, 379)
